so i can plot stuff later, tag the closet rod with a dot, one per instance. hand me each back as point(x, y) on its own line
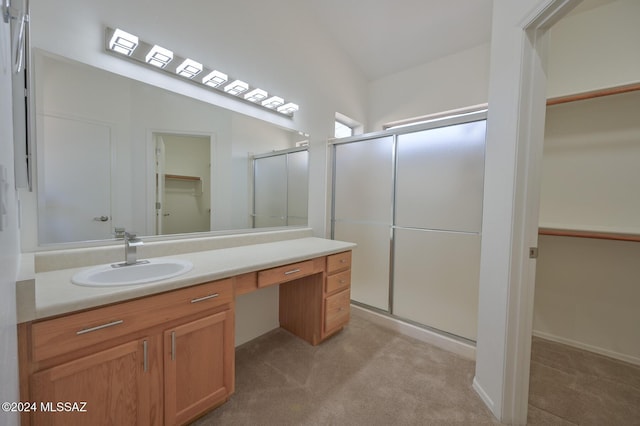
point(589, 234)
point(594, 94)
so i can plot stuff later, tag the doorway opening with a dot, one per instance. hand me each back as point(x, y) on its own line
point(183, 183)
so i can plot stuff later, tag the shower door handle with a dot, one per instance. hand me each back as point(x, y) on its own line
point(101, 218)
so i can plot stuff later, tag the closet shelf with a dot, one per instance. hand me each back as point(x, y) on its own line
point(589, 234)
point(182, 177)
point(594, 94)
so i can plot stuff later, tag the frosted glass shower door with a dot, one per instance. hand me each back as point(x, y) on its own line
point(438, 218)
point(270, 191)
point(362, 213)
point(440, 175)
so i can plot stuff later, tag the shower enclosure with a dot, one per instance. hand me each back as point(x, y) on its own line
point(411, 198)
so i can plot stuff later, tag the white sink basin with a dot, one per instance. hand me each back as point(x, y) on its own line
point(115, 275)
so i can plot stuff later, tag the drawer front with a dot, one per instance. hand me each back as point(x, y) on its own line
point(75, 331)
point(338, 262)
point(338, 281)
point(290, 272)
point(246, 283)
point(336, 311)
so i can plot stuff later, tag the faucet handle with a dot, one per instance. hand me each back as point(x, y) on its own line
point(119, 233)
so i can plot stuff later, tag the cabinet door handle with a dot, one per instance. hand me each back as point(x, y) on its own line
point(200, 299)
point(99, 327)
point(293, 271)
point(144, 354)
point(173, 346)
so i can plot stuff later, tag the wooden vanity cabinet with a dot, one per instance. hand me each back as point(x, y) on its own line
point(198, 365)
point(337, 293)
point(109, 387)
point(162, 359)
point(168, 358)
point(317, 306)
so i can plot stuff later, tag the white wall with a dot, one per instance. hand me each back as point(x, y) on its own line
point(595, 49)
point(587, 295)
point(590, 175)
point(9, 247)
point(455, 81)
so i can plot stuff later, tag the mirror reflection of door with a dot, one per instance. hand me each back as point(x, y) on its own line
point(74, 196)
point(183, 182)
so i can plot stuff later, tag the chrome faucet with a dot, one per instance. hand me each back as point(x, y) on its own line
point(131, 242)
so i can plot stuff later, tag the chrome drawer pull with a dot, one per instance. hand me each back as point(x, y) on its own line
point(343, 281)
point(293, 271)
point(173, 346)
point(200, 299)
point(343, 260)
point(144, 350)
point(99, 327)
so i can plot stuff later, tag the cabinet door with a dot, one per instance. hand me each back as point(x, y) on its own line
point(116, 384)
point(199, 366)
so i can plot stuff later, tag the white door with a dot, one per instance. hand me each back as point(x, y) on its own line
point(74, 195)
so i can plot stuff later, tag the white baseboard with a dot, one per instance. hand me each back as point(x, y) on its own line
point(484, 396)
point(444, 342)
point(601, 351)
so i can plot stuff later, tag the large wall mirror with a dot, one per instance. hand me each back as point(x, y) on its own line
point(112, 152)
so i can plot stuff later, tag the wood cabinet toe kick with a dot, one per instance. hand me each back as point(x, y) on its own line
point(168, 358)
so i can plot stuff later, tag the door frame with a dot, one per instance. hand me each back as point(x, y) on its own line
point(515, 136)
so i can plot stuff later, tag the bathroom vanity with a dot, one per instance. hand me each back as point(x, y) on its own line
point(163, 353)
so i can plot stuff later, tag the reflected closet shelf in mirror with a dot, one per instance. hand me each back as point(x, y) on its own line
point(181, 177)
point(181, 183)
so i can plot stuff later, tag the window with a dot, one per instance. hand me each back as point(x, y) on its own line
point(342, 130)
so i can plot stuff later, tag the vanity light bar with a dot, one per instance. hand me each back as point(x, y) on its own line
point(273, 102)
point(237, 87)
point(256, 95)
point(129, 45)
point(289, 108)
point(159, 56)
point(214, 78)
point(189, 68)
point(123, 42)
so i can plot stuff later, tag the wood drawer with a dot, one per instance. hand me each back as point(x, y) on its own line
point(336, 311)
point(338, 281)
point(71, 332)
point(246, 283)
point(290, 272)
point(338, 262)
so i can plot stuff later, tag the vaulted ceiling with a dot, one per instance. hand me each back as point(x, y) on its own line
point(383, 37)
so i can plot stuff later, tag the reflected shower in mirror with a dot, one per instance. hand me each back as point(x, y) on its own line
point(280, 188)
point(115, 152)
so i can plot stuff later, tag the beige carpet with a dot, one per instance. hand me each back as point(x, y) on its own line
point(571, 386)
point(368, 375)
point(365, 375)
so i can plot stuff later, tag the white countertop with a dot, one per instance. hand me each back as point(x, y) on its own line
point(55, 294)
